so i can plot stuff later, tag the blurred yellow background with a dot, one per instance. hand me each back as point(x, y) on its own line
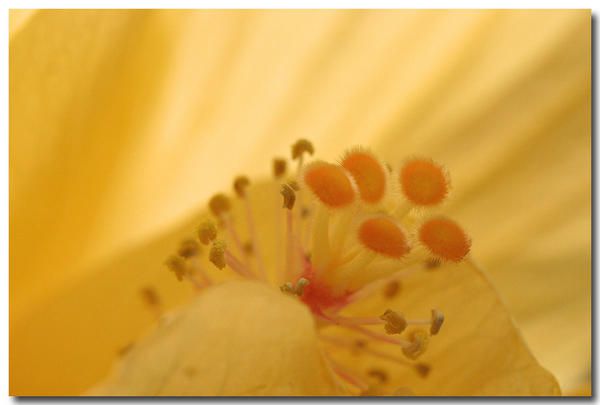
point(123, 123)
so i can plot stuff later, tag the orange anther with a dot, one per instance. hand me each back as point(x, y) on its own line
point(384, 236)
point(330, 184)
point(370, 175)
point(424, 182)
point(445, 238)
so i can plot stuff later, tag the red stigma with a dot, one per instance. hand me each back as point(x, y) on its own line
point(317, 295)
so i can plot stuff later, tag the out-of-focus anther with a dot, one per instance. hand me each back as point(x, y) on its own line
point(432, 263)
point(248, 248)
point(188, 249)
point(301, 147)
point(437, 319)
point(391, 289)
point(294, 185)
point(379, 374)
point(422, 369)
point(150, 296)
point(219, 204)
point(289, 196)
point(279, 167)
point(239, 186)
point(177, 265)
point(207, 232)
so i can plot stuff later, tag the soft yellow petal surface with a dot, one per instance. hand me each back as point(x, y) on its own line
point(17, 20)
point(120, 120)
point(86, 326)
point(73, 338)
point(70, 341)
point(240, 338)
point(479, 350)
point(517, 136)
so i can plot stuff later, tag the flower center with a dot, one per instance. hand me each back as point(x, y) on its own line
point(347, 231)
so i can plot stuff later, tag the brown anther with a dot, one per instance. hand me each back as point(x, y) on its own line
point(437, 319)
point(300, 285)
point(239, 186)
point(287, 288)
point(248, 248)
point(289, 196)
point(123, 350)
point(300, 147)
point(297, 289)
point(432, 263)
point(219, 204)
point(294, 185)
point(379, 374)
point(279, 167)
point(177, 265)
point(188, 248)
point(395, 323)
point(207, 232)
point(392, 289)
point(217, 254)
point(422, 369)
point(150, 296)
point(419, 339)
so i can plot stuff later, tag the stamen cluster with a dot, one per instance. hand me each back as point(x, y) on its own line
point(349, 228)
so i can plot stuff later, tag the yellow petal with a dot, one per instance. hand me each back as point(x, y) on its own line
point(103, 313)
point(584, 390)
point(511, 119)
point(134, 146)
point(511, 88)
point(17, 20)
point(478, 351)
point(240, 338)
point(86, 323)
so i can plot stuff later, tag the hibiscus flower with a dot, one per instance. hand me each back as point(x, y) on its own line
point(124, 123)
